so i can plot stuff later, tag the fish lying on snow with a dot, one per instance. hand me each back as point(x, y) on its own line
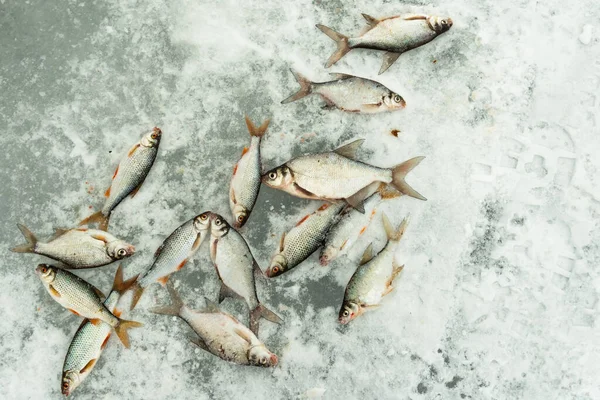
point(394, 35)
point(220, 333)
point(236, 266)
point(128, 177)
point(374, 276)
point(350, 93)
point(173, 254)
point(304, 239)
point(90, 340)
point(77, 248)
point(338, 176)
point(81, 298)
point(245, 182)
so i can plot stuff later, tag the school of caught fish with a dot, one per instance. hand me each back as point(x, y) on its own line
point(349, 191)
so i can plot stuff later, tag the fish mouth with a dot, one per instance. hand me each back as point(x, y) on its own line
point(130, 250)
point(343, 321)
point(324, 260)
point(449, 20)
point(274, 360)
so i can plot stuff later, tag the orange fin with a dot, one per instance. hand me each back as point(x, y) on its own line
point(88, 366)
point(163, 281)
point(76, 313)
point(105, 341)
point(133, 149)
point(180, 266)
point(302, 220)
point(344, 244)
point(94, 321)
point(235, 168)
point(53, 291)
point(116, 172)
point(96, 218)
point(323, 207)
point(134, 191)
point(364, 228)
point(107, 193)
point(100, 237)
point(244, 151)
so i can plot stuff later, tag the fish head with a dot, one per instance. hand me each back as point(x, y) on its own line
point(393, 101)
point(119, 249)
point(439, 24)
point(202, 222)
point(240, 215)
point(348, 312)
point(218, 226)
point(279, 177)
point(46, 272)
point(70, 381)
point(277, 267)
point(260, 356)
point(151, 139)
point(327, 254)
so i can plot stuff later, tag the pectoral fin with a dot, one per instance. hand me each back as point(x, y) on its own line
point(388, 59)
point(367, 255)
point(303, 191)
point(281, 242)
point(226, 291)
point(53, 291)
point(243, 335)
point(88, 367)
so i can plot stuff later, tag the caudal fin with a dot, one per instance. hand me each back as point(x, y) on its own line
point(122, 328)
point(97, 218)
point(262, 312)
point(254, 131)
point(119, 285)
point(340, 40)
point(137, 293)
point(400, 171)
point(394, 235)
point(176, 304)
point(305, 88)
point(28, 247)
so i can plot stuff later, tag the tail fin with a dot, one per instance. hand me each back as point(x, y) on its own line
point(394, 235)
point(305, 88)
point(340, 40)
point(122, 328)
point(176, 304)
point(119, 285)
point(28, 247)
point(400, 171)
point(262, 312)
point(254, 131)
point(97, 218)
point(137, 293)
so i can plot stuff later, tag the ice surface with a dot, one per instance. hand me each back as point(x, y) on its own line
point(499, 296)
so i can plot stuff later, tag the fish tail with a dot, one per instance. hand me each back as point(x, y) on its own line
point(122, 327)
point(340, 40)
point(400, 171)
point(119, 285)
point(28, 247)
point(254, 131)
point(394, 235)
point(97, 218)
point(305, 88)
point(262, 312)
point(137, 290)
point(176, 303)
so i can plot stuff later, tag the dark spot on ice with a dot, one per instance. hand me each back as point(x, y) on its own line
point(110, 151)
point(414, 357)
point(446, 360)
point(519, 221)
point(432, 371)
point(421, 388)
point(440, 351)
point(462, 395)
point(452, 384)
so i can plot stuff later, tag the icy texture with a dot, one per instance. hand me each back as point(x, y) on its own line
point(499, 296)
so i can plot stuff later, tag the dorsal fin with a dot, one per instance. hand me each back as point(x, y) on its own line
point(341, 76)
point(210, 307)
point(349, 150)
point(367, 255)
point(370, 20)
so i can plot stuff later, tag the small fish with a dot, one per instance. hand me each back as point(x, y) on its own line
point(394, 35)
point(220, 333)
point(236, 266)
point(374, 276)
point(303, 239)
point(81, 298)
point(350, 93)
point(245, 182)
point(338, 176)
point(173, 254)
point(77, 248)
point(128, 177)
point(90, 340)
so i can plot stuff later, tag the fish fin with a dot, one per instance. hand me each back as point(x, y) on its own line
point(349, 150)
point(231, 191)
point(88, 367)
point(262, 312)
point(163, 280)
point(181, 265)
point(85, 321)
point(121, 286)
point(116, 172)
point(213, 251)
point(396, 270)
point(28, 247)
point(226, 291)
point(133, 149)
point(176, 303)
point(340, 40)
point(199, 342)
point(357, 199)
point(369, 306)
point(386, 192)
point(137, 290)
point(99, 293)
point(394, 235)
point(99, 236)
point(243, 335)
point(400, 171)
point(254, 131)
point(344, 244)
point(134, 191)
point(53, 291)
point(341, 76)
point(95, 321)
point(370, 20)
point(389, 58)
point(107, 193)
point(244, 151)
point(303, 191)
point(305, 88)
point(58, 232)
point(367, 255)
point(210, 306)
point(303, 219)
point(356, 203)
point(413, 17)
point(97, 218)
point(281, 242)
point(75, 312)
point(323, 207)
point(159, 250)
point(362, 230)
point(105, 342)
point(196, 244)
point(235, 168)
point(122, 327)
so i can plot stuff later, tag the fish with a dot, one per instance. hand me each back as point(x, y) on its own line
point(349, 93)
point(337, 176)
point(394, 35)
point(303, 239)
point(128, 177)
point(77, 248)
point(373, 278)
point(236, 266)
point(82, 299)
point(90, 340)
point(245, 181)
point(173, 254)
point(220, 333)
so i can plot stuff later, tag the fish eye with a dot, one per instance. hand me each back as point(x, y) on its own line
point(44, 270)
point(263, 360)
point(240, 218)
point(345, 313)
point(275, 269)
point(397, 98)
point(272, 175)
point(154, 136)
point(122, 252)
point(218, 222)
point(204, 217)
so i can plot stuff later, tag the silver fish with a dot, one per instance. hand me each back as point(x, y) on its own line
point(338, 176)
point(236, 266)
point(245, 182)
point(77, 248)
point(394, 35)
point(220, 333)
point(81, 298)
point(350, 93)
point(374, 276)
point(128, 177)
point(173, 254)
point(303, 239)
point(90, 340)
